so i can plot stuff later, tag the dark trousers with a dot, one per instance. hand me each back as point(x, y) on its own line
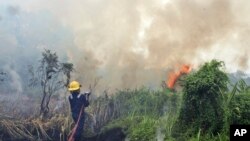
point(79, 128)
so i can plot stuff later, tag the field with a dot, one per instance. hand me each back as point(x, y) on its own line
point(202, 110)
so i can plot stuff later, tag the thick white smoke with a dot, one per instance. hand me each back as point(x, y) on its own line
point(131, 43)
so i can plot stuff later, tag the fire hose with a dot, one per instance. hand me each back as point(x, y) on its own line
point(73, 131)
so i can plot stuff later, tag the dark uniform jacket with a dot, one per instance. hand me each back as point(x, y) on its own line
point(78, 102)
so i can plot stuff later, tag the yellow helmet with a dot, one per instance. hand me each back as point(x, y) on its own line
point(74, 85)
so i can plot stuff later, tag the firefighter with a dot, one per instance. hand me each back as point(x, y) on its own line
point(77, 102)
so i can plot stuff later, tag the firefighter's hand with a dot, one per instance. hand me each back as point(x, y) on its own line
point(87, 93)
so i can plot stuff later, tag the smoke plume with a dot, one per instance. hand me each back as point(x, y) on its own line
point(131, 43)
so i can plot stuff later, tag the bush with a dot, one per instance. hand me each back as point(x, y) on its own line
point(202, 107)
point(240, 109)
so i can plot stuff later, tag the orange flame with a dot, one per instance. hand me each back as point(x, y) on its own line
point(173, 77)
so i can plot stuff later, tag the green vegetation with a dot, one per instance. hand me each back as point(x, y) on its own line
point(144, 114)
point(202, 111)
point(239, 106)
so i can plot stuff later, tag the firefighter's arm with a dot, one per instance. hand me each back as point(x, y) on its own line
point(86, 99)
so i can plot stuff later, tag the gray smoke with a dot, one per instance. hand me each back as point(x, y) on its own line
point(15, 80)
point(128, 43)
point(159, 135)
point(13, 10)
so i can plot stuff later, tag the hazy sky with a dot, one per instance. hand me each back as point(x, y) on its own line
point(128, 43)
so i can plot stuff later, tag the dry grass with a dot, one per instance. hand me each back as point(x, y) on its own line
point(56, 127)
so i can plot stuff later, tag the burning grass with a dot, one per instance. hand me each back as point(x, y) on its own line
point(174, 76)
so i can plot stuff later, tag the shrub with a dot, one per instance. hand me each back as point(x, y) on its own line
point(240, 109)
point(202, 101)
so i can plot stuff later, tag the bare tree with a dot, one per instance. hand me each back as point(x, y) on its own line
point(51, 76)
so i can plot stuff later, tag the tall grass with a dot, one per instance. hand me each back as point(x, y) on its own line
point(141, 112)
point(136, 110)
